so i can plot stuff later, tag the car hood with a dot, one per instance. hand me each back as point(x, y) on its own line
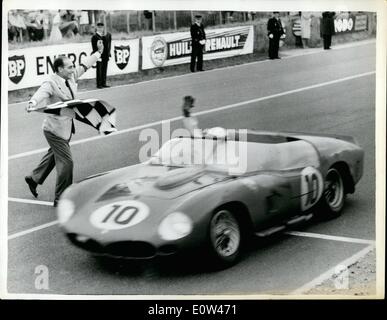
point(145, 180)
point(154, 192)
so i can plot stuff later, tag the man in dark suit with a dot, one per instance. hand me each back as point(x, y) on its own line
point(102, 64)
point(58, 127)
point(327, 28)
point(274, 31)
point(198, 41)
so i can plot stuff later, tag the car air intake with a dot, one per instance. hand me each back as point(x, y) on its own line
point(131, 249)
point(89, 245)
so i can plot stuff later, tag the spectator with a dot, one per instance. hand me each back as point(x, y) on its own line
point(327, 28)
point(68, 24)
point(306, 22)
point(148, 20)
point(297, 31)
point(43, 19)
point(198, 37)
point(34, 27)
point(55, 34)
point(275, 32)
point(16, 25)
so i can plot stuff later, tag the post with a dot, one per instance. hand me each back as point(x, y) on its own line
point(192, 17)
point(139, 20)
point(174, 20)
point(128, 21)
point(110, 22)
point(153, 21)
point(220, 17)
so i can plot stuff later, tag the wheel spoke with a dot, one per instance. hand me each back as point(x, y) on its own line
point(225, 234)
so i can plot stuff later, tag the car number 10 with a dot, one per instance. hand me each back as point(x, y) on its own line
point(311, 187)
point(119, 215)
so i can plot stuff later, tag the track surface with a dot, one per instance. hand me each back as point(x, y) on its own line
point(279, 265)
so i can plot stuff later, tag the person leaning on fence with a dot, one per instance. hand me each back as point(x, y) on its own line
point(59, 126)
point(190, 122)
point(68, 25)
point(198, 37)
point(274, 32)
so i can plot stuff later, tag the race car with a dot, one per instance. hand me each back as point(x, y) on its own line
point(212, 192)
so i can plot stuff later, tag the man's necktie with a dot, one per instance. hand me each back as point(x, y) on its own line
point(72, 96)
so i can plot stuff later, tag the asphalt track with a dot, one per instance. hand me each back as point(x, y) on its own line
point(325, 91)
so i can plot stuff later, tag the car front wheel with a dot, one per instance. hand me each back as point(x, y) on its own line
point(225, 238)
point(334, 193)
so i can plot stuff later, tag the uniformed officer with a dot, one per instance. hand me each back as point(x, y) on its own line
point(198, 41)
point(274, 31)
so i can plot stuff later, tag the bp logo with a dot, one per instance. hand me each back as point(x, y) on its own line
point(16, 68)
point(122, 54)
point(158, 51)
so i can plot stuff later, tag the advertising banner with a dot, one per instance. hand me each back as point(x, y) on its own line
point(175, 48)
point(352, 23)
point(29, 67)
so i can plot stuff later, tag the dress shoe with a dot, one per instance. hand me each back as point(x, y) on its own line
point(99, 87)
point(201, 70)
point(32, 185)
point(105, 86)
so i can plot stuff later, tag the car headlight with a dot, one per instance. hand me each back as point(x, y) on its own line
point(65, 211)
point(175, 226)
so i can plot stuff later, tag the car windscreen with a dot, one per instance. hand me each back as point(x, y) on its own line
point(218, 154)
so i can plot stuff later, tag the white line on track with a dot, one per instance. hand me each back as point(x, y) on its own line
point(230, 106)
point(289, 54)
point(328, 237)
point(28, 231)
point(292, 233)
point(43, 203)
point(328, 274)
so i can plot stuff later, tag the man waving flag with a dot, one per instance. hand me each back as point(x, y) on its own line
point(96, 113)
point(56, 97)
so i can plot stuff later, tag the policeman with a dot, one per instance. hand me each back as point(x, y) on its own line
point(274, 31)
point(198, 41)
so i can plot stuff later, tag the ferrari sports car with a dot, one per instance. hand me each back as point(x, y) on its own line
point(212, 192)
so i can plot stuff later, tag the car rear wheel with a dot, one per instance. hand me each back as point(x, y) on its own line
point(334, 194)
point(225, 238)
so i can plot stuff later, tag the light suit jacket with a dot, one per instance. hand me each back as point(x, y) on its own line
point(54, 89)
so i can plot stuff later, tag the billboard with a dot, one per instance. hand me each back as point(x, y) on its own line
point(352, 23)
point(29, 67)
point(175, 48)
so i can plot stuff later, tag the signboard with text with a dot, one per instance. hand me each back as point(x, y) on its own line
point(175, 48)
point(352, 23)
point(29, 67)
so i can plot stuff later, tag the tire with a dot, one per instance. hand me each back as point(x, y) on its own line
point(224, 238)
point(333, 199)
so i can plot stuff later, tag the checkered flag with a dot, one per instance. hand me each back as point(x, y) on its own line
point(96, 113)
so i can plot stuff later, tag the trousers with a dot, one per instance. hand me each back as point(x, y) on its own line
point(101, 72)
point(59, 156)
point(327, 39)
point(274, 47)
point(197, 53)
